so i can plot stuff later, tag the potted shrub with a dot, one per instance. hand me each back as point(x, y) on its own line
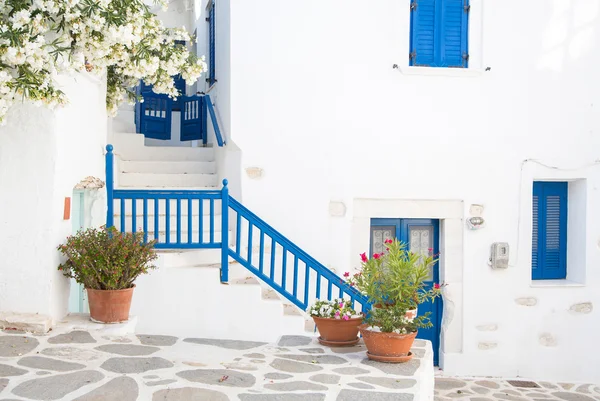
point(394, 281)
point(107, 262)
point(337, 322)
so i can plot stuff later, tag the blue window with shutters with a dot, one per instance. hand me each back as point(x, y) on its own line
point(439, 33)
point(211, 79)
point(549, 243)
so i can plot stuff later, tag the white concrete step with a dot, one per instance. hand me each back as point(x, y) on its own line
point(152, 180)
point(168, 167)
point(130, 146)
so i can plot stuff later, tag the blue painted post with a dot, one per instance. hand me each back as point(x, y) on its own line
point(225, 233)
point(110, 186)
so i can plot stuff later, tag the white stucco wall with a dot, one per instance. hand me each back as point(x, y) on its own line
point(43, 155)
point(317, 105)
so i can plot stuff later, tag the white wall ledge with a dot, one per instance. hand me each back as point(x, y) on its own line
point(441, 71)
point(555, 284)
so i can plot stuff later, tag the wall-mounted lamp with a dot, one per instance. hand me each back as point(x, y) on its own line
point(475, 223)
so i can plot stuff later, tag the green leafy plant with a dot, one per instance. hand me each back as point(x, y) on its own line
point(106, 259)
point(395, 283)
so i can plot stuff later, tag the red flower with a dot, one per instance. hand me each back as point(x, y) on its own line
point(387, 249)
point(388, 241)
point(346, 274)
point(436, 286)
point(376, 255)
point(430, 249)
point(364, 258)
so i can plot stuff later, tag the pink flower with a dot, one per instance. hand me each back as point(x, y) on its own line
point(436, 286)
point(430, 249)
point(346, 274)
point(387, 249)
point(346, 317)
point(337, 313)
point(388, 241)
point(376, 255)
point(341, 305)
point(364, 258)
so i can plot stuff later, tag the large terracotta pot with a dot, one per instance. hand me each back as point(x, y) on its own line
point(338, 332)
point(110, 306)
point(387, 347)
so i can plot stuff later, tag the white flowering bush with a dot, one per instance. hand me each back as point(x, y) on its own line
point(122, 38)
point(335, 309)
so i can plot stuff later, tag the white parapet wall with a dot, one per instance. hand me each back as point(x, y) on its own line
point(44, 154)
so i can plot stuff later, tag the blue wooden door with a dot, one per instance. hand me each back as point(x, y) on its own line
point(422, 236)
point(156, 116)
point(193, 118)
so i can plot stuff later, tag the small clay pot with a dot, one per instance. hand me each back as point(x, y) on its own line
point(110, 306)
point(338, 332)
point(387, 347)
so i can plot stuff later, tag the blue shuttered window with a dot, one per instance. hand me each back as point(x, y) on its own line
point(211, 44)
point(549, 244)
point(439, 33)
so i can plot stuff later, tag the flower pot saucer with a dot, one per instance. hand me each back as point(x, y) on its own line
point(339, 343)
point(390, 359)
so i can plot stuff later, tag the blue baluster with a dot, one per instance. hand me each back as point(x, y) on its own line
point(249, 259)
point(122, 215)
point(238, 231)
point(283, 268)
point(133, 215)
point(178, 202)
point(110, 185)
point(306, 284)
point(168, 220)
point(145, 210)
point(273, 249)
point(201, 221)
point(261, 252)
point(329, 290)
point(318, 285)
point(190, 231)
point(295, 289)
point(156, 216)
point(224, 233)
point(212, 221)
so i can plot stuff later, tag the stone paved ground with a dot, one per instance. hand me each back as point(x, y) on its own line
point(73, 364)
point(486, 389)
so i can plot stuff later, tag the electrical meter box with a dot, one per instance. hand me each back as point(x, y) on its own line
point(499, 255)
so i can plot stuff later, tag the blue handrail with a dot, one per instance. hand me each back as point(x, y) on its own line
point(157, 222)
point(298, 255)
point(213, 119)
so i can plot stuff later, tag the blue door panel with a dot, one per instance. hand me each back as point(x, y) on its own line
point(402, 229)
point(191, 118)
point(156, 116)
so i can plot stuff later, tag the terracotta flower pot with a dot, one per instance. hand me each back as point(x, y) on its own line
point(338, 332)
point(387, 347)
point(110, 306)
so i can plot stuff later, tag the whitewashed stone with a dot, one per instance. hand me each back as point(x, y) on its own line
point(526, 301)
point(128, 349)
point(27, 322)
point(56, 387)
point(325, 378)
point(239, 365)
point(548, 340)
point(584, 308)
point(296, 386)
point(487, 327)
point(135, 365)
point(7, 371)
point(74, 337)
point(189, 394)
point(16, 345)
point(40, 362)
point(122, 388)
point(219, 377)
point(294, 367)
point(337, 209)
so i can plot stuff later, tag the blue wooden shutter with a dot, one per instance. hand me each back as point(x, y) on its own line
point(422, 41)
point(211, 44)
point(454, 21)
point(549, 247)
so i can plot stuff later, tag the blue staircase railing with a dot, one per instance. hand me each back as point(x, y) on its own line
point(188, 219)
